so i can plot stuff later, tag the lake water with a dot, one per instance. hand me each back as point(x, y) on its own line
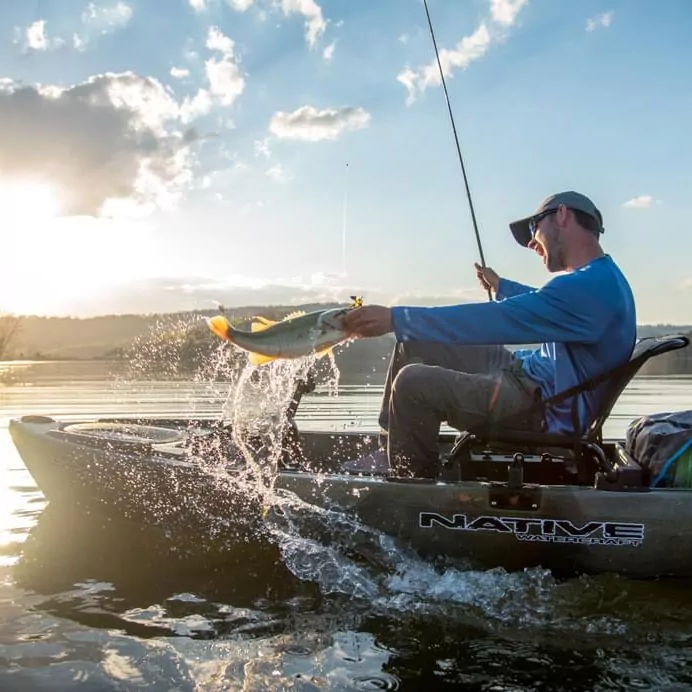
point(94, 604)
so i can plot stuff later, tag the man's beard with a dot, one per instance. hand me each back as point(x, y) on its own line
point(555, 256)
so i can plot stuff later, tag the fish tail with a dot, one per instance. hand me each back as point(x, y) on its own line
point(220, 326)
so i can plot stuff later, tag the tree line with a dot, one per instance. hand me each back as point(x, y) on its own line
point(181, 345)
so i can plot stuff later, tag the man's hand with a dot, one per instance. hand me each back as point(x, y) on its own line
point(488, 278)
point(371, 320)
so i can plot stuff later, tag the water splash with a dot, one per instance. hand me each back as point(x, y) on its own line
point(325, 546)
point(257, 414)
point(175, 347)
point(259, 410)
point(320, 545)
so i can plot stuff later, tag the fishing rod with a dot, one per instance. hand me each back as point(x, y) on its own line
point(456, 139)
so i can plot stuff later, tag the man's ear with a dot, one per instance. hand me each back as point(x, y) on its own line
point(562, 215)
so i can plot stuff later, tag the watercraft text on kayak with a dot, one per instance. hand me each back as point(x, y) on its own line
point(607, 533)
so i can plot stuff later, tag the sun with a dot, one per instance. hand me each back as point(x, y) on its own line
point(24, 203)
point(51, 262)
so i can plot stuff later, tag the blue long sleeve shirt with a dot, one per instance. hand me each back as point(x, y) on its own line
point(591, 309)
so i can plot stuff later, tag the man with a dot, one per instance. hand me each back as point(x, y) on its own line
point(450, 364)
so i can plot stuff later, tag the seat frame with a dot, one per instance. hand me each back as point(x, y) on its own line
point(587, 446)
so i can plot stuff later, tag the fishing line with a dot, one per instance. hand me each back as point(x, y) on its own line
point(343, 230)
point(456, 139)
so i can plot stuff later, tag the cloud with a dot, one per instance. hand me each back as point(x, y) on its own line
point(506, 11)
point(315, 24)
point(309, 124)
point(96, 21)
point(240, 5)
point(200, 104)
point(686, 283)
point(179, 72)
point(328, 52)
point(36, 38)
point(469, 49)
point(279, 174)
point(409, 79)
point(113, 141)
point(326, 278)
point(107, 19)
point(599, 21)
point(641, 202)
point(262, 148)
point(226, 82)
point(173, 294)
point(216, 40)
point(99, 21)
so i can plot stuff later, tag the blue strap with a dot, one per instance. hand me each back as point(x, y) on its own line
point(667, 465)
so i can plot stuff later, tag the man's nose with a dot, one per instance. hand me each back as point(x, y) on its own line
point(536, 246)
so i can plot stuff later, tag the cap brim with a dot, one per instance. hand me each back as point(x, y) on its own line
point(520, 231)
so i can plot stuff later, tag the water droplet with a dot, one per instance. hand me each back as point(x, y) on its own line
point(378, 681)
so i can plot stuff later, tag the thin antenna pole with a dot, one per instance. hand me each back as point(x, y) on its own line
point(456, 139)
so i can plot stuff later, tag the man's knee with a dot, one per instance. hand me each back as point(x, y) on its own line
point(410, 382)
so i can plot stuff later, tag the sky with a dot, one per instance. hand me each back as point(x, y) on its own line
point(172, 156)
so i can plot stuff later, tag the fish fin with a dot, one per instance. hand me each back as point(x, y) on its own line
point(324, 352)
point(259, 359)
point(261, 323)
point(293, 315)
point(220, 326)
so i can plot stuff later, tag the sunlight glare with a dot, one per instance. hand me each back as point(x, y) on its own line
point(60, 260)
point(26, 202)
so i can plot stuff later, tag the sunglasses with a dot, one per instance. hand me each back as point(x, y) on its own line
point(533, 222)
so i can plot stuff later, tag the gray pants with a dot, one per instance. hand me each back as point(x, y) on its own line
point(465, 386)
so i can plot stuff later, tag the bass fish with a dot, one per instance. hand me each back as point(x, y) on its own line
point(297, 335)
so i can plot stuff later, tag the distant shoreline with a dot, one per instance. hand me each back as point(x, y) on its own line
point(180, 344)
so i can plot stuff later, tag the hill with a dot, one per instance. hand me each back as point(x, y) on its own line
point(183, 339)
point(98, 337)
point(172, 345)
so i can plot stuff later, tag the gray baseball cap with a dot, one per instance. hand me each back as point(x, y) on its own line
point(572, 200)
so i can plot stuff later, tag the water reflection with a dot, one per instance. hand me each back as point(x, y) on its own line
point(120, 569)
point(110, 605)
point(219, 618)
point(21, 502)
point(252, 619)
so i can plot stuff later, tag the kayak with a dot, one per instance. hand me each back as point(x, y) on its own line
point(489, 507)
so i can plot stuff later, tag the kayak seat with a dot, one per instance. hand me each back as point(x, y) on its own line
point(585, 449)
